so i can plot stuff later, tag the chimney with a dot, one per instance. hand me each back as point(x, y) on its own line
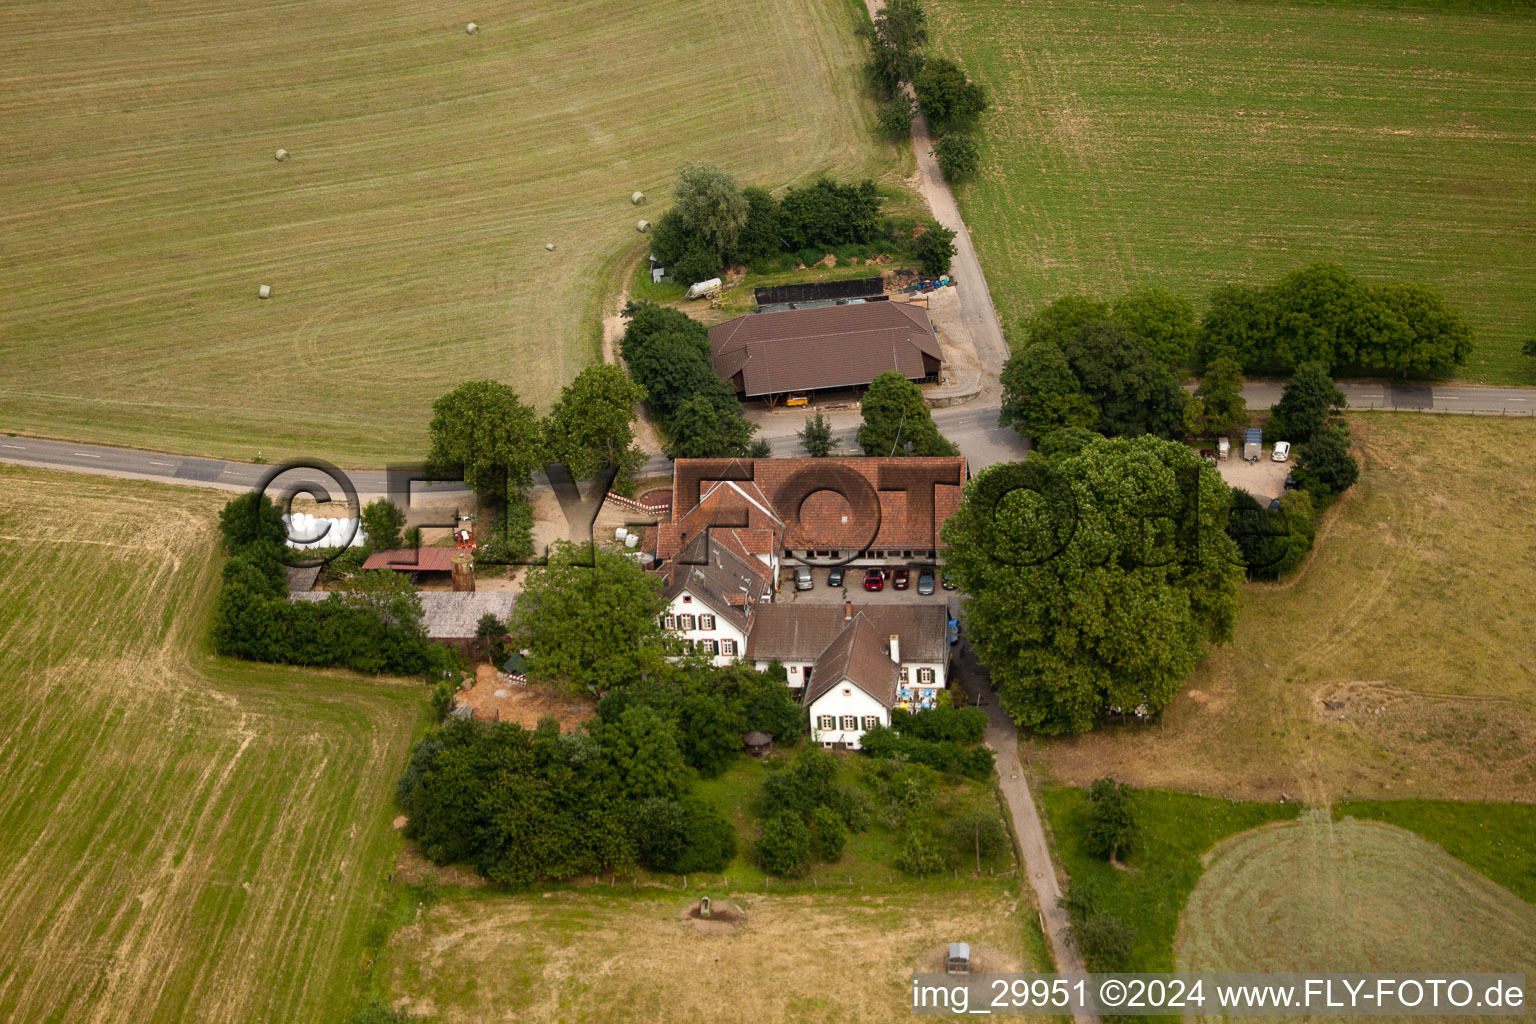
point(896, 648)
point(847, 611)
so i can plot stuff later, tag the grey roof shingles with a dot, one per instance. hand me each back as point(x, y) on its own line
point(801, 632)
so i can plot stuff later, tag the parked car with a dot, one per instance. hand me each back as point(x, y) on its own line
point(1223, 448)
point(948, 581)
point(1282, 451)
point(925, 582)
point(1290, 481)
point(835, 577)
point(803, 578)
point(954, 632)
point(874, 579)
point(1208, 455)
point(901, 580)
point(1274, 504)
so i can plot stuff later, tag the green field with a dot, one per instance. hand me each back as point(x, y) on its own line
point(1395, 663)
point(181, 838)
point(1191, 143)
point(1351, 896)
point(1499, 840)
point(404, 238)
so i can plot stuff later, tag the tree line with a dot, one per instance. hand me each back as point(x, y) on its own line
point(714, 223)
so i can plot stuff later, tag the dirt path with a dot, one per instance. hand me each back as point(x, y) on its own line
point(613, 329)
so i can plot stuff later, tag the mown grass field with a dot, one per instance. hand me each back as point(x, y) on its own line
point(404, 237)
point(587, 955)
point(1319, 895)
point(1191, 143)
point(181, 839)
point(1396, 664)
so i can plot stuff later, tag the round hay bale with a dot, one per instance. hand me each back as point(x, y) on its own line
point(637, 197)
point(471, 28)
point(281, 155)
point(550, 246)
point(264, 292)
point(642, 225)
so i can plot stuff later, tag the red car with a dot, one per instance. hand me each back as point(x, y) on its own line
point(874, 579)
point(901, 580)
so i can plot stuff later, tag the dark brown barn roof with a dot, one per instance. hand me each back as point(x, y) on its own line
point(800, 632)
point(713, 573)
point(829, 347)
point(859, 655)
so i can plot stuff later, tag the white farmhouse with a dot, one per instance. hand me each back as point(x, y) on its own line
point(712, 595)
point(854, 687)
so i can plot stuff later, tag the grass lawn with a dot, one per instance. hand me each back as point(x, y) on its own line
point(1149, 895)
point(867, 859)
point(181, 838)
point(1498, 840)
point(1191, 143)
point(1350, 896)
point(1397, 663)
point(404, 238)
point(591, 955)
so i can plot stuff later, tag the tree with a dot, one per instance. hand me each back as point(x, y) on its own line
point(483, 433)
point(641, 750)
point(895, 116)
point(946, 95)
point(828, 834)
point(383, 521)
point(902, 27)
point(828, 213)
point(589, 619)
point(784, 848)
point(1309, 398)
point(816, 438)
point(1325, 468)
point(1529, 348)
point(1272, 543)
point(1163, 320)
point(1063, 442)
point(1221, 397)
point(759, 236)
point(251, 519)
point(707, 428)
point(1062, 320)
point(1105, 941)
point(698, 262)
point(897, 420)
point(1096, 579)
point(591, 427)
point(489, 630)
point(710, 729)
point(1239, 323)
point(958, 156)
point(1132, 393)
point(1417, 332)
point(1041, 394)
point(711, 205)
point(1112, 827)
point(934, 249)
point(764, 697)
point(978, 833)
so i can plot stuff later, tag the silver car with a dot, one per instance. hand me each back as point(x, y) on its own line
point(803, 578)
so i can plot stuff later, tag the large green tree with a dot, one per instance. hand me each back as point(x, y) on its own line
point(1132, 392)
point(1041, 394)
point(1060, 322)
point(483, 433)
point(958, 155)
point(589, 619)
point(946, 95)
point(897, 420)
point(591, 427)
point(711, 205)
point(1163, 320)
point(934, 249)
point(1096, 579)
point(901, 27)
point(1325, 468)
point(709, 428)
point(1310, 397)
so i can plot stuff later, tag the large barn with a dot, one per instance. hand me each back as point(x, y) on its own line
point(765, 355)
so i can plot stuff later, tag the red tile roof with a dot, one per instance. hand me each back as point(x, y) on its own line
point(412, 560)
point(827, 347)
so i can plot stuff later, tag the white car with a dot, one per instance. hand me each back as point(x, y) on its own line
point(1282, 451)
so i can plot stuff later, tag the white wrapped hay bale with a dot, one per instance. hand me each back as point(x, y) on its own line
point(281, 155)
point(264, 292)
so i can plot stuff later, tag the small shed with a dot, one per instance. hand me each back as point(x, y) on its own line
point(1253, 444)
point(959, 959)
point(758, 744)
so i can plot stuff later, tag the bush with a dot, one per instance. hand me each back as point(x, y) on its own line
point(1105, 941)
point(808, 782)
point(828, 213)
point(828, 834)
point(784, 848)
point(958, 155)
point(383, 521)
point(934, 249)
point(946, 95)
point(1112, 827)
point(683, 838)
point(1324, 466)
point(980, 835)
point(943, 756)
point(895, 116)
point(250, 519)
point(1272, 543)
point(956, 725)
point(919, 851)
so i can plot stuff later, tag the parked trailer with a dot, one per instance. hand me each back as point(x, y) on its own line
point(704, 288)
point(1253, 444)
